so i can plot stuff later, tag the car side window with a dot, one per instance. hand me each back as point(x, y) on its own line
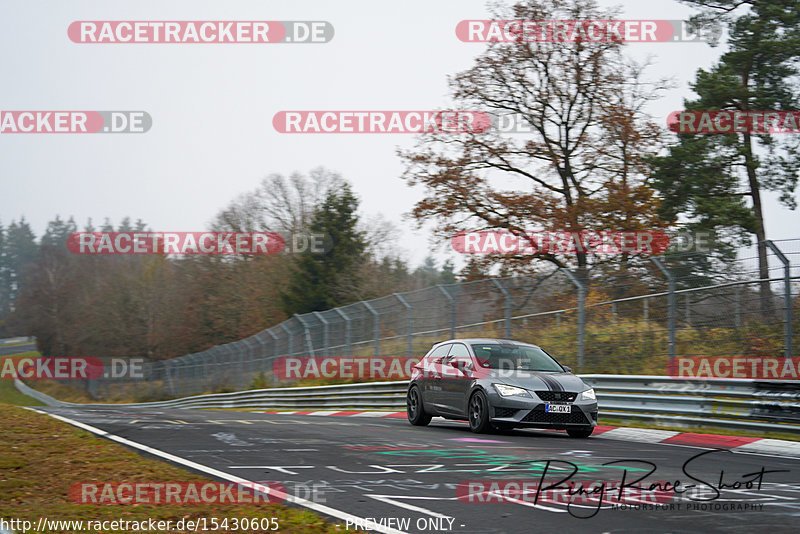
point(439, 352)
point(459, 352)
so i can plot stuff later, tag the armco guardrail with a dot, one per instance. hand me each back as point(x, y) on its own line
point(365, 395)
point(727, 403)
point(14, 340)
point(38, 395)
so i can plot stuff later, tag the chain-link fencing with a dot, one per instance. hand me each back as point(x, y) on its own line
point(632, 321)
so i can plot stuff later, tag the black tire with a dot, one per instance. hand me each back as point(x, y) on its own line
point(414, 409)
point(582, 432)
point(478, 411)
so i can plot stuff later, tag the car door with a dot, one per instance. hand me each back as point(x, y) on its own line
point(456, 383)
point(431, 381)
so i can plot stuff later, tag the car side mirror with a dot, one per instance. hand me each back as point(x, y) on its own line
point(567, 369)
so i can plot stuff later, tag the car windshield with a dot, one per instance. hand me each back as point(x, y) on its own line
point(514, 357)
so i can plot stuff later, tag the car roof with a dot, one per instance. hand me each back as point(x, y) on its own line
point(487, 340)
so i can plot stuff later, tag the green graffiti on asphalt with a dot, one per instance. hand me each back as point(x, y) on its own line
point(486, 457)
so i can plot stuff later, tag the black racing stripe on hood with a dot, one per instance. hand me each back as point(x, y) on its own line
point(552, 383)
point(547, 383)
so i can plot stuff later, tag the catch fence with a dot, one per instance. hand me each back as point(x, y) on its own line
point(596, 322)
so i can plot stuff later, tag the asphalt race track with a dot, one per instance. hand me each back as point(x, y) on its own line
point(16, 349)
point(383, 468)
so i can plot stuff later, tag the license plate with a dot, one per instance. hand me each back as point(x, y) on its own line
point(558, 408)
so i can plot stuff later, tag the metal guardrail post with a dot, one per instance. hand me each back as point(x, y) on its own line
point(274, 351)
point(184, 370)
point(250, 348)
point(738, 305)
point(307, 334)
point(274, 342)
point(291, 337)
point(346, 331)
point(787, 298)
point(452, 310)
point(168, 377)
point(687, 311)
point(325, 338)
point(377, 327)
point(410, 311)
point(581, 315)
point(507, 296)
point(225, 366)
point(240, 362)
point(190, 363)
point(670, 303)
point(208, 369)
point(211, 377)
point(263, 351)
point(191, 359)
point(250, 351)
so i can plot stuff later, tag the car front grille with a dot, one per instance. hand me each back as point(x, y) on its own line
point(559, 396)
point(538, 415)
point(505, 412)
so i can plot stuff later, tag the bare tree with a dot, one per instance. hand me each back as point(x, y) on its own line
point(279, 203)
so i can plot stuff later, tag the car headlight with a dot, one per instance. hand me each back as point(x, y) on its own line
point(588, 395)
point(507, 391)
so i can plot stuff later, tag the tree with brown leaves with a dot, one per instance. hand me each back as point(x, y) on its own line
point(580, 166)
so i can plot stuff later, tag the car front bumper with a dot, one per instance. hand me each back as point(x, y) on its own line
point(530, 412)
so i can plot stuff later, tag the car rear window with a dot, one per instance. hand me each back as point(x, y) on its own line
point(514, 357)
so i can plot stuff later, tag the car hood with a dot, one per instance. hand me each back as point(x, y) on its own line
point(538, 381)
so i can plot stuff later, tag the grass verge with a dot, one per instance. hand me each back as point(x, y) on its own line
point(10, 395)
point(43, 457)
point(58, 389)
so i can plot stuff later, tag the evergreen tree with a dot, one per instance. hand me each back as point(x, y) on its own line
point(57, 232)
point(5, 283)
point(21, 252)
point(322, 281)
point(447, 274)
point(716, 181)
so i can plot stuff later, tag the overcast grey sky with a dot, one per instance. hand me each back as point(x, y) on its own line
point(212, 105)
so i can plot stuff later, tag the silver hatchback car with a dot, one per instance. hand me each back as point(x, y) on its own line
point(500, 384)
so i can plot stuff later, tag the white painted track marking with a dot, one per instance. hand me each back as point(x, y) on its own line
point(644, 435)
point(327, 510)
